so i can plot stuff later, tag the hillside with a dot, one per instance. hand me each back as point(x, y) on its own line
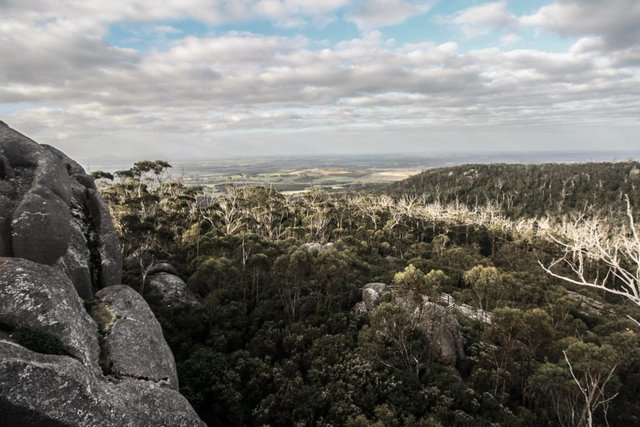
point(529, 190)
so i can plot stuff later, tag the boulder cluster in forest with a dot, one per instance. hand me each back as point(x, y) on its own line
point(439, 328)
point(76, 347)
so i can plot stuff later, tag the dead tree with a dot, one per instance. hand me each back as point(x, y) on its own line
point(599, 255)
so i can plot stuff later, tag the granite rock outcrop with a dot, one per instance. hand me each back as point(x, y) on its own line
point(60, 269)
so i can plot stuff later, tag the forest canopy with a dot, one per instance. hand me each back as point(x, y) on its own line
point(276, 339)
point(522, 190)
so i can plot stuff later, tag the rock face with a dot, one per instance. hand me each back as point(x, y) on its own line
point(589, 305)
point(36, 296)
point(439, 328)
point(47, 390)
point(134, 331)
point(162, 267)
point(51, 213)
point(371, 294)
point(466, 310)
point(318, 247)
point(162, 282)
point(58, 247)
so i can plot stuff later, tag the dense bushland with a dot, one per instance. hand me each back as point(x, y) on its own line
point(276, 341)
point(530, 190)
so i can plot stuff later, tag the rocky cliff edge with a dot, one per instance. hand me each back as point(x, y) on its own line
point(76, 348)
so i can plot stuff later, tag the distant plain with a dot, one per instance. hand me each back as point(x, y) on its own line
point(345, 173)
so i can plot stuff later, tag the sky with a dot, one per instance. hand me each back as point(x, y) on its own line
point(186, 79)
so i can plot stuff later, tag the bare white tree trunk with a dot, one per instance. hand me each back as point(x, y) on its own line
point(592, 244)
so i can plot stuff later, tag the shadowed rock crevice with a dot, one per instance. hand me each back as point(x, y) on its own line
point(93, 257)
point(104, 318)
point(87, 224)
point(5, 329)
point(40, 342)
point(22, 416)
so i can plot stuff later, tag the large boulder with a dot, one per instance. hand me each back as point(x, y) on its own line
point(138, 386)
point(51, 213)
point(37, 191)
point(37, 297)
point(372, 292)
point(133, 331)
point(439, 328)
point(48, 390)
point(162, 267)
point(162, 283)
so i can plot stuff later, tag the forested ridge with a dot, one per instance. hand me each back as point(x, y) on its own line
point(530, 190)
point(276, 339)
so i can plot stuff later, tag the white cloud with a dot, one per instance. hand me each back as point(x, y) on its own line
point(199, 91)
point(372, 14)
point(54, 51)
point(480, 19)
point(244, 82)
point(294, 13)
point(488, 14)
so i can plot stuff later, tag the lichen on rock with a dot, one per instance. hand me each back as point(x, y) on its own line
point(134, 331)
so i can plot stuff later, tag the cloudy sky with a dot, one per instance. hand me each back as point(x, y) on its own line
point(182, 79)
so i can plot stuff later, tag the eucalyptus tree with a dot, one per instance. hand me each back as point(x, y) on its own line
point(486, 283)
point(581, 385)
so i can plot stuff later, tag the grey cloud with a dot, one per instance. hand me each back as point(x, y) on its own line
point(210, 11)
point(616, 21)
point(273, 73)
point(627, 58)
point(371, 14)
point(53, 52)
